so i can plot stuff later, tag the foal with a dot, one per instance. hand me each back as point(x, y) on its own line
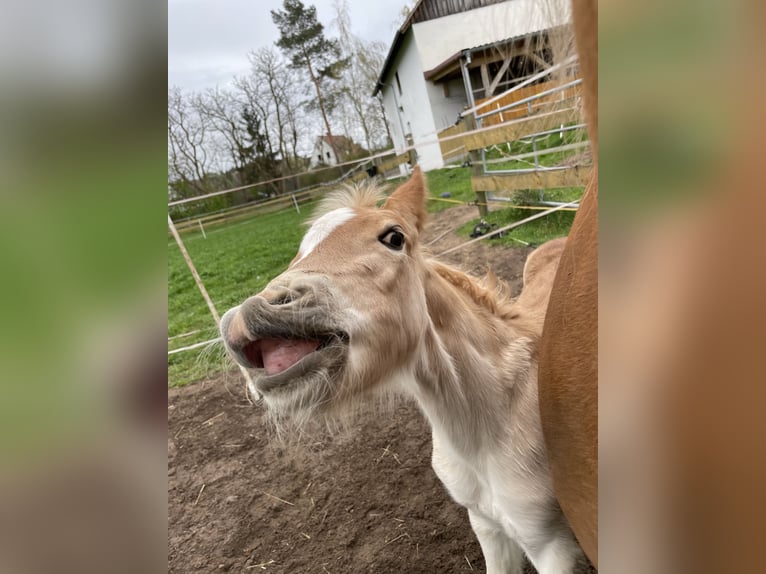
point(361, 309)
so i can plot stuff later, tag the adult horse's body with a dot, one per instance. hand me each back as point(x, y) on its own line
point(568, 379)
point(361, 309)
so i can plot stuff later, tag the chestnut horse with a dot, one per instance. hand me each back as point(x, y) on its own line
point(568, 378)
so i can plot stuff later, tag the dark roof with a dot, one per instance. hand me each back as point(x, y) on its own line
point(337, 139)
point(389, 59)
point(423, 11)
point(342, 144)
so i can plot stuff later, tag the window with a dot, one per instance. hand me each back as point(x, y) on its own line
point(398, 83)
point(328, 155)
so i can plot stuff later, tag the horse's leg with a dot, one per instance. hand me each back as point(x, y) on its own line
point(559, 556)
point(501, 554)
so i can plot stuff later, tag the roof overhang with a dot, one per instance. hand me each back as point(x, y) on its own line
point(476, 55)
point(446, 68)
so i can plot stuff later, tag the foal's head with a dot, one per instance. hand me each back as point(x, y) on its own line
point(348, 313)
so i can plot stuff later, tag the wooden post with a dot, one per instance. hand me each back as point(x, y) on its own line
point(485, 83)
point(413, 157)
point(193, 269)
point(201, 228)
point(477, 168)
point(412, 154)
point(481, 199)
point(206, 297)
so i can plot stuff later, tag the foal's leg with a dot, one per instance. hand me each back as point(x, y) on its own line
point(501, 554)
point(559, 556)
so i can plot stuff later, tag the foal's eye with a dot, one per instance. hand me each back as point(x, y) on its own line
point(393, 239)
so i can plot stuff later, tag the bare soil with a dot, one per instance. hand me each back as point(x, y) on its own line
point(361, 500)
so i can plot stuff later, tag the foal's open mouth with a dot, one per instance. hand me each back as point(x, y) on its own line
point(285, 359)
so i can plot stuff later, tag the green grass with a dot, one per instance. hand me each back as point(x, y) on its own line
point(455, 181)
point(534, 233)
point(238, 260)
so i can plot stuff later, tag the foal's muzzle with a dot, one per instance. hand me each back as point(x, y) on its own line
point(294, 307)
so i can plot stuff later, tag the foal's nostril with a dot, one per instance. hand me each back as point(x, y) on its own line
point(283, 299)
point(278, 296)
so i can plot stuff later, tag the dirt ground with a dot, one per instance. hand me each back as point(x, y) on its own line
point(361, 500)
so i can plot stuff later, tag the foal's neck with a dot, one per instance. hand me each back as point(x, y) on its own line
point(474, 362)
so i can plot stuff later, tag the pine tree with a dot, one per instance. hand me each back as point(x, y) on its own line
point(303, 41)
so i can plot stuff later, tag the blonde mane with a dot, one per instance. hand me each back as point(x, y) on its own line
point(365, 194)
point(491, 293)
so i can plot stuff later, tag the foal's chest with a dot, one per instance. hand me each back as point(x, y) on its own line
point(475, 483)
point(502, 489)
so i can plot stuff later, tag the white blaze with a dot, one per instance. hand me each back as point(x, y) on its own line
point(322, 228)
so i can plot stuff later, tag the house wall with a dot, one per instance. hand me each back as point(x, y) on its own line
point(445, 109)
point(321, 147)
point(415, 116)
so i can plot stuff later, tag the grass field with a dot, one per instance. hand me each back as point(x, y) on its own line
point(239, 259)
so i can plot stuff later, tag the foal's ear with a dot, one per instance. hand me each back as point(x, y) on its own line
point(409, 200)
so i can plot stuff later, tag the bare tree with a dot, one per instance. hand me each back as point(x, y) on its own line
point(221, 110)
point(189, 160)
point(295, 117)
point(274, 90)
point(276, 79)
point(366, 60)
point(254, 95)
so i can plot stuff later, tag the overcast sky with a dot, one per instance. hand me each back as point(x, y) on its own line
point(208, 40)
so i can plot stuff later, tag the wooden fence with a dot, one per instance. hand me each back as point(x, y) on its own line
point(556, 107)
point(287, 200)
point(527, 109)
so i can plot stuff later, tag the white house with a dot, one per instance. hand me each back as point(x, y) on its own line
point(444, 49)
point(326, 154)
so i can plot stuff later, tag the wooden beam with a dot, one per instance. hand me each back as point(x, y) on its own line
point(485, 79)
point(477, 168)
point(449, 145)
point(498, 77)
point(383, 166)
point(515, 129)
point(394, 161)
point(542, 64)
point(487, 57)
point(570, 177)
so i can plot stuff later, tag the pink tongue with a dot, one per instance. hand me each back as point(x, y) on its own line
point(281, 354)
